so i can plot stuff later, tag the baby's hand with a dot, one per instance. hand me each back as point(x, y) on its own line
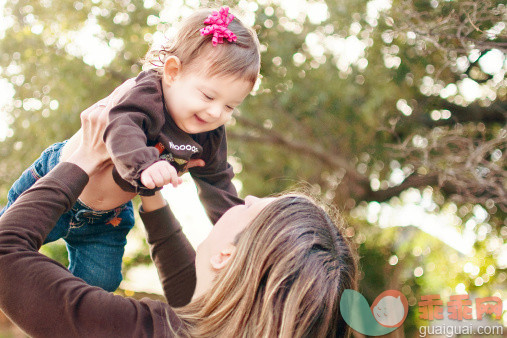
point(159, 174)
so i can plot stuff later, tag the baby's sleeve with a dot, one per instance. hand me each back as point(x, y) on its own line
point(214, 181)
point(137, 117)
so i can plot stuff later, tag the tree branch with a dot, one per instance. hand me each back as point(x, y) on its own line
point(412, 181)
point(332, 160)
point(365, 193)
point(496, 112)
point(459, 183)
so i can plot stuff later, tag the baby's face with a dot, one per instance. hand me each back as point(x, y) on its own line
point(198, 103)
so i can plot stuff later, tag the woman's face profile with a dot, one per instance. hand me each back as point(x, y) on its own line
point(214, 252)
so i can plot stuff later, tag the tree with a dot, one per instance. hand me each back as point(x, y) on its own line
point(402, 116)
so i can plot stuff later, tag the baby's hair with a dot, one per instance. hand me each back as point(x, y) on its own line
point(240, 58)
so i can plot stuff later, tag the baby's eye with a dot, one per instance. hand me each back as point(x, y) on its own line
point(229, 108)
point(207, 97)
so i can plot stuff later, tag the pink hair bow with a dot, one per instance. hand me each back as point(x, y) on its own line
point(218, 22)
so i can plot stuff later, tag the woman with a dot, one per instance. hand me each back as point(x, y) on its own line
point(271, 267)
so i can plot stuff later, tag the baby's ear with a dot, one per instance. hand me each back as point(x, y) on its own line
point(172, 68)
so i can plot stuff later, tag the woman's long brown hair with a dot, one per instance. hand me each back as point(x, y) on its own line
point(285, 279)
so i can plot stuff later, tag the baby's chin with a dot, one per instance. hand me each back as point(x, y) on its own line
point(193, 131)
point(196, 129)
point(189, 130)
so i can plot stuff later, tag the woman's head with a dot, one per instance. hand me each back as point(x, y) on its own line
point(285, 275)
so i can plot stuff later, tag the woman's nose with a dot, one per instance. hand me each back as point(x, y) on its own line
point(250, 199)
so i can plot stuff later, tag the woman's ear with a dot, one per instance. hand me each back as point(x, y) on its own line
point(220, 260)
point(172, 68)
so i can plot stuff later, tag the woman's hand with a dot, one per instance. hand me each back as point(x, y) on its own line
point(91, 154)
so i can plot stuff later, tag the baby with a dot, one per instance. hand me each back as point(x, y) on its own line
point(167, 116)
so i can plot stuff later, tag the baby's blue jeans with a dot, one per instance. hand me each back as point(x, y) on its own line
point(95, 239)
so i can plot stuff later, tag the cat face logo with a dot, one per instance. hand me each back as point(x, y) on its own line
point(390, 308)
point(387, 313)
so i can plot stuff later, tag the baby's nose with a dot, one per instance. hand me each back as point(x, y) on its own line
point(215, 112)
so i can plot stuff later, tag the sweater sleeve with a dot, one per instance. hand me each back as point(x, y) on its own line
point(214, 181)
point(172, 254)
point(41, 296)
point(138, 116)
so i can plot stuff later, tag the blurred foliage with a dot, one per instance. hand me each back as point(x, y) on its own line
point(56, 250)
point(366, 102)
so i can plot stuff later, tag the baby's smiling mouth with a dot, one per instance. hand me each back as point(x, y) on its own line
point(200, 120)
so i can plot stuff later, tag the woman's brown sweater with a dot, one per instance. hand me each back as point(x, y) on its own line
point(45, 300)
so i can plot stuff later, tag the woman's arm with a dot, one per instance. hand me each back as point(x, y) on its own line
point(41, 296)
point(151, 203)
point(170, 250)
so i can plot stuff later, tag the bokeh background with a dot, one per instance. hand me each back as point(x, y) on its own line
point(393, 111)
